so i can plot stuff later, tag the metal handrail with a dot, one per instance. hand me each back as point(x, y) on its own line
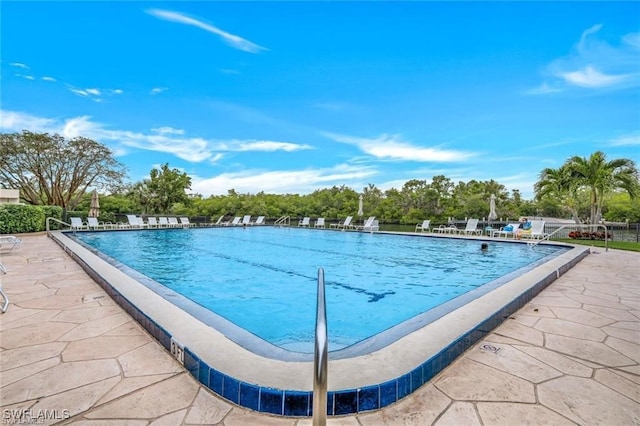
point(320, 357)
point(55, 220)
point(576, 225)
point(284, 220)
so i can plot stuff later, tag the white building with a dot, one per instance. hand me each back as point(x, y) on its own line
point(9, 196)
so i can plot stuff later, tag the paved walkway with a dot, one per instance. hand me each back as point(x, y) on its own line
point(69, 355)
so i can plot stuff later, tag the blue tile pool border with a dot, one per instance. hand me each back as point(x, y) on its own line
point(296, 403)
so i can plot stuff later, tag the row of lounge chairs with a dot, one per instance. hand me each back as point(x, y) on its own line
point(240, 221)
point(133, 221)
point(371, 224)
point(471, 228)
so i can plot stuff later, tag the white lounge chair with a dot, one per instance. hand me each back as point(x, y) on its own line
point(445, 229)
point(536, 232)
point(319, 223)
point(219, 222)
point(506, 231)
point(369, 226)
point(9, 243)
point(152, 222)
point(93, 223)
point(471, 228)
point(5, 304)
point(259, 221)
point(343, 225)
point(184, 221)
point(246, 220)
point(304, 221)
point(77, 223)
point(163, 222)
point(173, 222)
point(236, 221)
point(424, 226)
point(134, 221)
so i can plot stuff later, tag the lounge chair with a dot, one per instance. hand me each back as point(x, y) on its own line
point(343, 225)
point(424, 226)
point(246, 220)
point(304, 221)
point(219, 221)
point(5, 304)
point(77, 224)
point(258, 221)
point(236, 221)
point(9, 243)
point(471, 228)
point(445, 229)
point(506, 231)
point(92, 223)
point(184, 221)
point(173, 222)
point(163, 222)
point(370, 225)
point(134, 221)
point(152, 222)
point(319, 223)
point(536, 232)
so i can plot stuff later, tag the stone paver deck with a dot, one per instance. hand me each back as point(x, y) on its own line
point(69, 355)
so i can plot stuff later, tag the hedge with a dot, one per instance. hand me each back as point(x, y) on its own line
point(22, 218)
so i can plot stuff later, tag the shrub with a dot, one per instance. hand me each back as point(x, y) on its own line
point(19, 218)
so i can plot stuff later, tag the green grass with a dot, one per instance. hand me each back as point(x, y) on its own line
point(618, 245)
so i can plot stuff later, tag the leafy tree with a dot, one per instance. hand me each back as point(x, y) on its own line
point(162, 190)
point(52, 170)
point(559, 185)
point(602, 177)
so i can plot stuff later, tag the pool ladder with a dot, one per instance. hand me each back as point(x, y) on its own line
point(320, 357)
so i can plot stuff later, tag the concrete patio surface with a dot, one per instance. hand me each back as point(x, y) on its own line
point(69, 355)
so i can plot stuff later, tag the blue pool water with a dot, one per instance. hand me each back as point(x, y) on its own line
point(264, 279)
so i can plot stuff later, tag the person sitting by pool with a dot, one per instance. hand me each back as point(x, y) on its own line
point(523, 228)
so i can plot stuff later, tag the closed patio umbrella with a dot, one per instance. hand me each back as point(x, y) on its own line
point(360, 207)
point(94, 208)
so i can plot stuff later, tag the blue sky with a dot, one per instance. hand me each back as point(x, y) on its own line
point(289, 97)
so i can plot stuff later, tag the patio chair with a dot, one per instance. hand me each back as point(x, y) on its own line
point(445, 229)
point(173, 222)
point(370, 225)
point(506, 231)
point(9, 243)
point(93, 223)
point(304, 221)
point(219, 222)
point(133, 221)
point(246, 220)
point(536, 232)
point(319, 223)
point(77, 224)
point(163, 222)
point(5, 304)
point(258, 221)
point(344, 224)
point(424, 226)
point(471, 228)
point(152, 222)
point(184, 221)
point(236, 221)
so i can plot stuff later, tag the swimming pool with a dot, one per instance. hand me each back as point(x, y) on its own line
point(379, 373)
point(263, 279)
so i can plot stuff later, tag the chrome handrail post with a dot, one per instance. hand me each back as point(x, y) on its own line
point(320, 358)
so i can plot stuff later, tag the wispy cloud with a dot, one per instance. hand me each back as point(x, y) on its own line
point(282, 181)
point(232, 40)
point(594, 64)
point(392, 147)
point(626, 140)
point(19, 65)
point(46, 78)
point(158, 90)
point(161, 139)
point(93, 93)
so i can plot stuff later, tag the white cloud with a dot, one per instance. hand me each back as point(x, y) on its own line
point(595, 64)
point(590, 77)
point(281, 181)
point(626, 140)
point(232, 40)
point(158, 90)
point(46, 78)
point(163, 139)
point(19, 65)
point(393, 148)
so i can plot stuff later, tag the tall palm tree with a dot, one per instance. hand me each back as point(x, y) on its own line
point(601, 177)
point(558, 183)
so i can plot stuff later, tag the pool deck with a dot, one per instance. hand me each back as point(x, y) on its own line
point(70, 355)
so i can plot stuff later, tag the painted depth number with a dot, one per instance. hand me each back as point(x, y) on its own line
point(177, 350)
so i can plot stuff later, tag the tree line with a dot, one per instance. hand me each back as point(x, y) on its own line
point(53, 170)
